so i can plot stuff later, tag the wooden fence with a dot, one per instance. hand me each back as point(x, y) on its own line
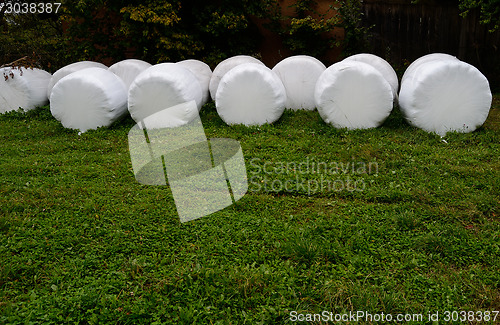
point(402, 31)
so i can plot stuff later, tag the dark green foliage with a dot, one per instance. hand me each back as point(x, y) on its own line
point(35, 36)
point(165, 30)
point(489, 11)
point(170, 30)
point(355, 35)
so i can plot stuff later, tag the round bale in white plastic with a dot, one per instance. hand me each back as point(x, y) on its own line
point(250, 94)
point(223, 67)
point(353, 95)
point(70, 68)
point(299, 75)
point(445, 95)
point(88, 99)
point(381, 65)
point(424, 59)
point(23, 88)
point(128, 70)
point(203, 72)
point(163, 86)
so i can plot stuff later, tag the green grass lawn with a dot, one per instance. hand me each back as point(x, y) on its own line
point(413, 228)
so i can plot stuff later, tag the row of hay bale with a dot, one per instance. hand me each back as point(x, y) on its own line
point(439, 93)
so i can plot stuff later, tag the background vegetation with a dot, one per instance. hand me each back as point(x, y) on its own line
point(171, 30)
point(489, 11)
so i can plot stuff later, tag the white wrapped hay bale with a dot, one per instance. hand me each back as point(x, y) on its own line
point(164, 85)
point(223, 67)
point(128, 70)
point(88, 99)
point(70, 68)
point(23, 88)
point(381, 65)
point(250, 94)
point(172, 117)
point(445, 95)
point(424, 59)
point(353, 95)
point(299, 75)
point(203, 72)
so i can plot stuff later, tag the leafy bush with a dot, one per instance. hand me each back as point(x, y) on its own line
point(489, 11)
point(313, 32)
point(171, 30)
point(35, 37)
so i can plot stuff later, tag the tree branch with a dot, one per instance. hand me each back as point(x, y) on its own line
point(13, 62)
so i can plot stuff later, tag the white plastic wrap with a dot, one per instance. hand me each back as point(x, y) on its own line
point(424, 59)
point(88, 99)
point(128, 70)
point(382, 66)
point(445, 95)
point(250, 94)
point(226, 65)
point(25, 88)
point(164, 85)
point(172, 117)
point(70, 68)
point(353, 95)
point(203, 72)
point(299, 75)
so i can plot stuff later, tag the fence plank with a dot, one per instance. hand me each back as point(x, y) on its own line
point(402, 31)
